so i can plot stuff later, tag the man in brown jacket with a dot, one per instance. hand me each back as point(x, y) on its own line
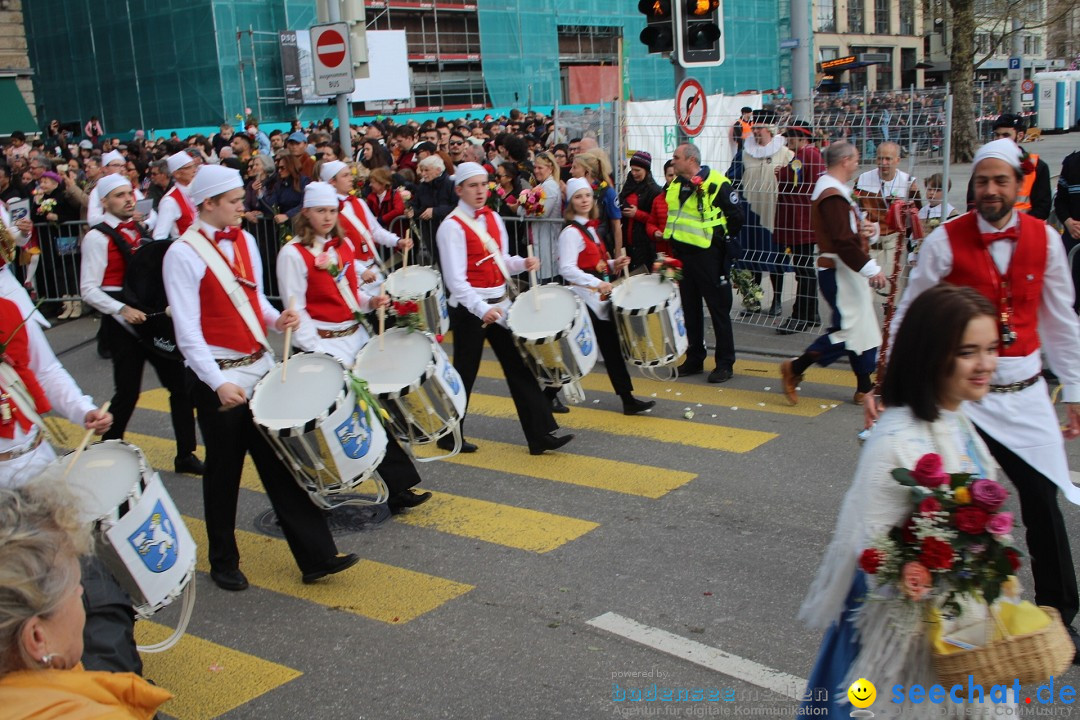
point(844, 266)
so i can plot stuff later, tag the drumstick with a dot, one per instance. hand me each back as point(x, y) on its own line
point(532, 281)
point(382, 324)
point(405, 255)
point(626, 268)
point(288, 342)
point(85, 441)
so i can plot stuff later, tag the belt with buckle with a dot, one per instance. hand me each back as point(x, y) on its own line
point(495, 301)
point(241, 361)
point(24, 450)
point(1016, 386)
point(346, 332)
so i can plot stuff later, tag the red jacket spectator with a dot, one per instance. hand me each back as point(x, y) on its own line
point(657, 221)
point(389, 208)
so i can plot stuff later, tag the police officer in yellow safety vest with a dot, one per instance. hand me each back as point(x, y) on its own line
point(702, 214)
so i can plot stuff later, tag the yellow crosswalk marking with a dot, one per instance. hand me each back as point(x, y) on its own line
point(814, 375)
point(207, 680)
point(600, 473)
point(682, 432)
point(370, 589)
point(507, 525)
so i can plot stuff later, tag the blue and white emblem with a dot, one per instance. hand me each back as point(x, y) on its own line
point(444, 312)
point(680, 324)
point(584, 341)
point(355, 434)
point(453, 380)
point(155, 541)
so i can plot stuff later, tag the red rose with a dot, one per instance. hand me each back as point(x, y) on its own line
point(930, 472)
point(696, 180)
point(936, 554)
point(871, 560)
point(1014, 558)
point(673, 263)
point(929, 505)
point(970, 519)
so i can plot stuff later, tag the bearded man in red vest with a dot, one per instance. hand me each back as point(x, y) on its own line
point(175, 211)
point(1019, 264)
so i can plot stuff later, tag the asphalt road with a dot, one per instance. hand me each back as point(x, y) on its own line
point(657, 549)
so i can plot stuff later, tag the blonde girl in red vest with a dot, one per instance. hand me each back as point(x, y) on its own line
point(585, 264)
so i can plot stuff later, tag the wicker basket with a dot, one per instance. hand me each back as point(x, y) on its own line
point(1031, 658)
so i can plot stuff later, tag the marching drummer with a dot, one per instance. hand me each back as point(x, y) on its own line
point(362, 230)
point(585, 264)
point(476, 266)
point(213, 279)
point(317, 273)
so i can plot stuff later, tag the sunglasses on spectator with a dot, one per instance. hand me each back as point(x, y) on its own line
point(457, 142)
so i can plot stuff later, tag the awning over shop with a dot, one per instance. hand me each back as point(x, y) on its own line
point(14, 114)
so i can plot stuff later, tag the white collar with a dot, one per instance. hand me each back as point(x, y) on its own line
point(208, 228)
point(751, 147)
point(466, 209)
point(826, 182)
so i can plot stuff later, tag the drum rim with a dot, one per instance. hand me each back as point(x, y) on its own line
point(622, 310)
point(310, 425)
point(430, 293)
point(429, 370)
point(578, 306)
point(109, 519)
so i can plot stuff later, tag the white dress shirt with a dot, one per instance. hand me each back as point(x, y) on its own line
point(95, 260)
point(292, 274)
point(95, 211)
point(571, 244)
point(453, 259)
point(183, 271)
point(168, 212)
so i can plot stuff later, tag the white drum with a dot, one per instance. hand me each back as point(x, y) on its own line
point(554, 332)
point(649, 319)
point(416, 384)
point(314, 422)
point(139, 534)
point(423, 285)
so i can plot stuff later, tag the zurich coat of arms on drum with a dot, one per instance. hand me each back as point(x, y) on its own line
point(585, 341)
point(155, 541)
point(355, 434)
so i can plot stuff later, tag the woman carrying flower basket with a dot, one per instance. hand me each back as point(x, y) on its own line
point(905, 540)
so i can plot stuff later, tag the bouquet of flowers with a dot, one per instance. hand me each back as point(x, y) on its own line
point(47, 205)
point(533, 200)
point(751, 292)
point(327, 262)
point(668, 267)
point(495, 196)
point(407, 313)
point(956, 540)
point(404, 194)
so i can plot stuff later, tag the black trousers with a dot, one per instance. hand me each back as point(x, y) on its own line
point(1047, 538)
point(607, 339)
point(129, 357)
point(533, 409)
point(806, 290)
point(229, 436)
point(109, 633)
point(397, 469)
point(702, 282)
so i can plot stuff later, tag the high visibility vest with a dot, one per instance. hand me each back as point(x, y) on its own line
point(690, 223)
point(1023, 198)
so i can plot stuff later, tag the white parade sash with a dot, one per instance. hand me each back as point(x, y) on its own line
point(12, 384)
point(364, 233)
point(342, 285)
point(493, 247)
point(217, 265)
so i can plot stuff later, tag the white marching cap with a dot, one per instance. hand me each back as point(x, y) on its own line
point(108, 183)
point(467, 170)
point(331, 169)
point(575, 185)
point(212, 180)
point(179, 160)
point(320, 194)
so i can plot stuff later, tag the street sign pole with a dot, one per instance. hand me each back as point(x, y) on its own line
point(680, 78)
point(333, 10)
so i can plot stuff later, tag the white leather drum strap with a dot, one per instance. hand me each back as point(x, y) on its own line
point(224, 274)
point(12, 384)
point(492, 246)
point(364, 233)
point(342, 285)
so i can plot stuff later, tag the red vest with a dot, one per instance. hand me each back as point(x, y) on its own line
point(973, 267)
point(324, 301)
point(222, 325)
point(187, 213)
point(593, 254)
point(486, 274)
point(116, 263)
point(355, 235)
point(18, 356)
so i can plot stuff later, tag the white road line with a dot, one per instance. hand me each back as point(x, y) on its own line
point(700, 654)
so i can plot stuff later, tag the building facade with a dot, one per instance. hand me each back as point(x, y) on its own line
point(15, 69)
point(879, 44)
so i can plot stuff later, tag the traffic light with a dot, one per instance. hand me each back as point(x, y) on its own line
point(657, 35)
point(699, 35)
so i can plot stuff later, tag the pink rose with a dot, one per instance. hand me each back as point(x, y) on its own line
point(930, 472)
point(322, 261)
point(1000, 523)
point(988, 494)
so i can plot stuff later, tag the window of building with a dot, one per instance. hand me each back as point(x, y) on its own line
point(882, 17)
point(908, 74)
point(826, 15)
point(856, 16)
point(1027, 44)
point(883, 71)
point(1036, 45)
point(907, 17)
point(828, 53)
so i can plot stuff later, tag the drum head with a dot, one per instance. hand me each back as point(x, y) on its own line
point(412, 282)
point(103, 476)
point(313, 383)
point(641, 292)
point(532, 320)
point(403, 360)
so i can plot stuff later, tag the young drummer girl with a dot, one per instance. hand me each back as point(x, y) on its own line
point(585, 264)
point(310, 276)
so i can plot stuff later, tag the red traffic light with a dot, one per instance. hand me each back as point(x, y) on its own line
point(701, 7)
point(655, 8)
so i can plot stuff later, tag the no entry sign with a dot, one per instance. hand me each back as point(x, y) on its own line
point(331, 59)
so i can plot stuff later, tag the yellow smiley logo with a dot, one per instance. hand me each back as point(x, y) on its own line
point(862, 693)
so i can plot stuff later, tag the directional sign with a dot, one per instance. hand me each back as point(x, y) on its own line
point(690, 107)
point(331, 59)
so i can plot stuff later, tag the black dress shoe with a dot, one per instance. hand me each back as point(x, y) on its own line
point(787, 327)
point(233, 580)
point(558, 407)
point(720, 375)
point(1075, 637)
point(689, 368)
point(189, 464)
point(632, 406)
point(335, 565)
point(549, 442)
point(446, 442)
point(406, 499)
